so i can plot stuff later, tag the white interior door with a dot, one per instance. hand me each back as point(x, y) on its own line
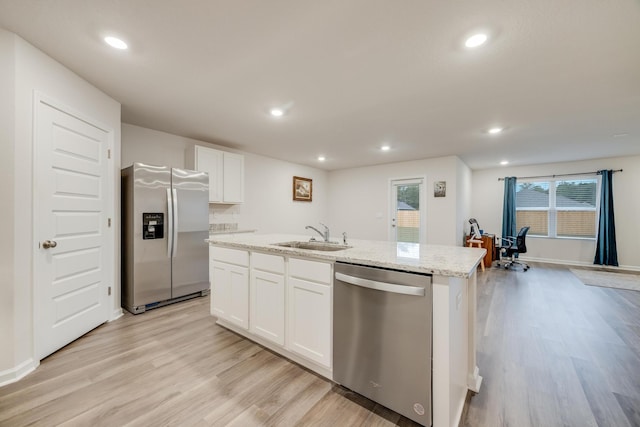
point(71, 263)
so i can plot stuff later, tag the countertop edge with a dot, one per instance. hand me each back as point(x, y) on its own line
point(333, 257)
point(223, 232)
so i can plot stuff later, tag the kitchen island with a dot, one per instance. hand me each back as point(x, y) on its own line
point(281, 297)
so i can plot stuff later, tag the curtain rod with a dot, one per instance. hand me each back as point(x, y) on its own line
point(562, 174)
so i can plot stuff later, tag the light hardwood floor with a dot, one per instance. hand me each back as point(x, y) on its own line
point(552, 352)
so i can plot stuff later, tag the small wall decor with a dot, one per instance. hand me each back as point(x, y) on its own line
point(440, 189)
point(302, 189)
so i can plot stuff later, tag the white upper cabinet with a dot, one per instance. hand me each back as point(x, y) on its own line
point(210, 161)
point(226, 173)
point(233, 178)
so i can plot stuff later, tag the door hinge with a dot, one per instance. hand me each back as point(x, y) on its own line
point(109, 222)
point(109, 153)
point(109, 291)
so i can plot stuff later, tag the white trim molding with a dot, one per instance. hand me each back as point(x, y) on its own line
point(116, 314)
point(14, 374)
point(621, 268)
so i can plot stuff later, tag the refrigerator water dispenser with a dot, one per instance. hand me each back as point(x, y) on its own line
point(152, 225)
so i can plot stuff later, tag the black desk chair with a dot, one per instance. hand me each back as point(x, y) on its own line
point(512, 247)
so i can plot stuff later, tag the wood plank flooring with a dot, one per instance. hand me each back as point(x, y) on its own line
point(552, 352)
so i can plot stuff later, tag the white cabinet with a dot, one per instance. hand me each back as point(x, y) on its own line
point(230, 285)
point(226, 173)
point(282, 303)
point(233, 178)
point(268, 297)
point(309, 306)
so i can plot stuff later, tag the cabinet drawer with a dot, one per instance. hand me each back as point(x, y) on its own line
point(272, 263)
point(310, 270)
point(230, 256)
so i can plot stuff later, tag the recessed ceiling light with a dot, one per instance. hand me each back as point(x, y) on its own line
point(504, 162)
point(276, 112)
point(385, 148)
point(476, 40)
point(115, 43)
point(495, 130)
point(321, 158)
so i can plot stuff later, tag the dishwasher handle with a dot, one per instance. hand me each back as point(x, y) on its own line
point(381, 286)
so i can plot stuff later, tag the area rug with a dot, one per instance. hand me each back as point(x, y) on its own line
point(608, 280)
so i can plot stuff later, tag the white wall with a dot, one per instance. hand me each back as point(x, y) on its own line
point(268, 205)
point(359, 199)
point(35, 71)
point(487, 209)
point(463, 203)
point(7, 168)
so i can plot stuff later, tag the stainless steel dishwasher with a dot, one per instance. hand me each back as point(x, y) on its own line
point(382, 337)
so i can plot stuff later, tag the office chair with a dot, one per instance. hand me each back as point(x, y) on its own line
point(513, 247)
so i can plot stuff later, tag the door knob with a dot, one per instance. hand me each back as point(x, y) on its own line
point(49, 244)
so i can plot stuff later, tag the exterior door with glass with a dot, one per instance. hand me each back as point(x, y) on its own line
point(408, 214)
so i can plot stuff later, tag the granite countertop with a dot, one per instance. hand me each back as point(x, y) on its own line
point(452, 261)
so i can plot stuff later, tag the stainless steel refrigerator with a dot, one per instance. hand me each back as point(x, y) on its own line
point(165, 222)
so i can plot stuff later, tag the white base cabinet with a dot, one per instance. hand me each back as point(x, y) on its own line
point(230, 285)
point(310, 310)
point(268, 297)
point(280, 302)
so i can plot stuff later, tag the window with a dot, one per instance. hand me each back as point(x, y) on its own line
point(558, 208)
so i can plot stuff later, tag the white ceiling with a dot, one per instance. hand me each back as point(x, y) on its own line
point(563, 77)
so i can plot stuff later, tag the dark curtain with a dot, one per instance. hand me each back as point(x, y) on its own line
point(606, 251)
point(509, 207)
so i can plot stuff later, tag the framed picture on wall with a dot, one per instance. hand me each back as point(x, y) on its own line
point(302, 189)
point(440, 189)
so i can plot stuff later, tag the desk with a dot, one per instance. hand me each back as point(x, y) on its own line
point(488, 242)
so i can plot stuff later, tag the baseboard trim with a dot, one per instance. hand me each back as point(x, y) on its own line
point(474, 381)
point(15, 374)
point(118, 313)
point(621, 268)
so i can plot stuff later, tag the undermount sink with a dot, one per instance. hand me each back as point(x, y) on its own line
point(315, 246)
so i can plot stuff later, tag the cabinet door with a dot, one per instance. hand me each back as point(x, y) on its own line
point(211, 161)
point(239, 310)
point(233, 181)
point(310, 320)
point(220, 289)
point(267, 305)
point(230, 293)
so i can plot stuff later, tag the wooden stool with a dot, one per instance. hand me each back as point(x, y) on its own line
point(472, 242)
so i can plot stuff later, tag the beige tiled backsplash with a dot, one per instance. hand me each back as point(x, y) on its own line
point(225, 226)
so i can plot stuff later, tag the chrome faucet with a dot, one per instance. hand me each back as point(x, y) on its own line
point(324, 235)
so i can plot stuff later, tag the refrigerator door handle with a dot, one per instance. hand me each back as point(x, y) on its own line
point(175, 221)
point(169, 223)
